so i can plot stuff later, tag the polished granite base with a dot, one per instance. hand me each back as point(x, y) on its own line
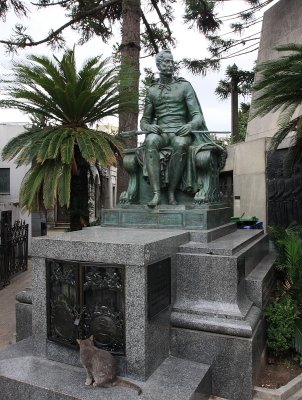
point(24, 376)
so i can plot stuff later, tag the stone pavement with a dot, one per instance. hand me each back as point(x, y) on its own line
point(7, 306)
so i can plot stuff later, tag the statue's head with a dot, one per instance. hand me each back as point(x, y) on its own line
point(164, 62)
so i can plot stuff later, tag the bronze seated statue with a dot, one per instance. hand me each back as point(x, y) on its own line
point(178, 159)
point(199, 183)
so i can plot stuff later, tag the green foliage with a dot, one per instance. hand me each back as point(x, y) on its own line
point(236, 79)
point(201, 13)
point(244, 113)
point(297, 338)
point(281, 316)
point(279, 89)
point(63, 103)
point(284, 327)
point(96, 17)
point(288, 244)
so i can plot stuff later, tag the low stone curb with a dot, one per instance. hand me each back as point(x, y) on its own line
point(283, 393)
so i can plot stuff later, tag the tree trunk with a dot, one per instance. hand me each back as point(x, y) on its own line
point(79, 209)
point(234, 107)
point(130, 51)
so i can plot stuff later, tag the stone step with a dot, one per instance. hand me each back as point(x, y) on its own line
point(212, 234)
point(261, 280)
point(226, 245)
point(35, 378)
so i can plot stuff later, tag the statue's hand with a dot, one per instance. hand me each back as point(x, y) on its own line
point(184, 130)
point(152, 128)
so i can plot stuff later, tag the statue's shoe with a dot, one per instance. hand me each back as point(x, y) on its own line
point(155, 201)
point(172, 200)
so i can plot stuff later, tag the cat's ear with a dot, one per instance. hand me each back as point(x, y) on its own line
point(78, 340)
point(91, 338)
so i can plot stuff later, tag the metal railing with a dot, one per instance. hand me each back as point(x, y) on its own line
point(13, 250)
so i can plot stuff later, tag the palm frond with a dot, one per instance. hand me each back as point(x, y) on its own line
point(297, 337)
point(64, 185)
point(67, 150)
point(50, 183)
point(31, 187)
point(53, 89)
point(282, 133)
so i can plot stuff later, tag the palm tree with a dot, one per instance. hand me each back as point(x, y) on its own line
point(61, 146)
point(238, 82)
point(279, 88)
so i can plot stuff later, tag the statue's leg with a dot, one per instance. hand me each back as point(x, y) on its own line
point(177, 164)
point(153, 144)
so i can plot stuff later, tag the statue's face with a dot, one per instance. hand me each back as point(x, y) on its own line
point(166, 65)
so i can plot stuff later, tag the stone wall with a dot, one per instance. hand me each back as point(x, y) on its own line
point(282, 24)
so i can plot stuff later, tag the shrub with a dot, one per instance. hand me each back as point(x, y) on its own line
point(281, 316)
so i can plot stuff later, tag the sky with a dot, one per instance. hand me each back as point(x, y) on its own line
point(189, 44)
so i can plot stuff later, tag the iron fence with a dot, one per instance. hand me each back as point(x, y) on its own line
point(13, 250)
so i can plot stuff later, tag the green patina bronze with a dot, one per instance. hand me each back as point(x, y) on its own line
point(178, 159)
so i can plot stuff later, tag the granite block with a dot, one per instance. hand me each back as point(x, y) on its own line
point(25, 296)
point(147, 342)
point(259, 350)
point(33, 378)
point(209, 284)
point(209, 235)
point(24, 314)
point(226, 245)
point(261, 281)
point(136, 322)
point(19, 349)
point(23, 321)
point(218, 324)
point(207, 277)
point(253, 253)
point(231, 359)
point(39, 316)
point(110, 245)
point(158, 340)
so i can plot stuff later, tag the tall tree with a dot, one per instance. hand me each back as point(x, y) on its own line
point(130, 51)
point(60, 145)
point(96, 17)
point(238, 82)
point(279, 89)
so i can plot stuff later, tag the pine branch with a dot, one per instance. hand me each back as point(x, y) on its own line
point(150, 33)
point(163, 21)
point(27, 42)
point(58, 3)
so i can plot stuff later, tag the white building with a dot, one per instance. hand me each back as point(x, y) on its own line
point(11, 177)
point(102, 189)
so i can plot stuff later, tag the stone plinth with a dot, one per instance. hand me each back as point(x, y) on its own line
point(219, 283)
point(221, 289)
point(136, 251)
point(24, 376)
point(164, 216)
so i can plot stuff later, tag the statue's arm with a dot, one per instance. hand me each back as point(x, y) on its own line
point(148, 117)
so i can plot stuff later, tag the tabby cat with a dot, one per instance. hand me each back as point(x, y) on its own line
point(100, 367)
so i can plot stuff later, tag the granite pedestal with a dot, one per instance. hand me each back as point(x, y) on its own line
point(220, 282)
point(147, 340)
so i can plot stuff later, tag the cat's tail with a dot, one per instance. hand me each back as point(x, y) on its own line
point(130, 385)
